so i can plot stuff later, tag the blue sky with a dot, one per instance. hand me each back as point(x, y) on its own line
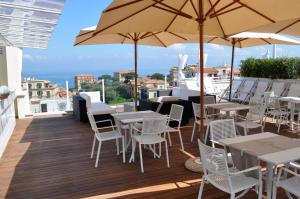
point(104, 59)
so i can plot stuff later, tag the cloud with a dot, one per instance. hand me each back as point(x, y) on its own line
point(216, 47)
point(178, 47)
point(28, 57)
point(36, 58)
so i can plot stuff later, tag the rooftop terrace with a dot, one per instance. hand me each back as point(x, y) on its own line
point(48, 157)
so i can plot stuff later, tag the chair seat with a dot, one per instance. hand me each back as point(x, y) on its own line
point(278, 112)
point(110, 135)
point(171, 129)
point(149, 139)
point(239, 182)
point(248, 124)
point(291, 185)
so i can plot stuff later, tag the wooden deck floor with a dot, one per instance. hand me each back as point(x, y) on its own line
point(48, 157)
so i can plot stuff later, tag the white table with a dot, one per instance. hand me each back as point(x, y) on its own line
point(228, 107)
point(271, 148)
point(130, 118)
point(292, 102)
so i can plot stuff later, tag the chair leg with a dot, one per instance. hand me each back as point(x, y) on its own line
point(169, 138)
point(201, 189)
point(167, 154)
point(159, 149)
point(232, 196)
point(133, 149)
point(93, 147)
point(98, 154)
point(274, 194)
point(245, 131)
point(206, 134)
point(123, 146)
point(260, 189)
point(118, 147)
point(141, 158)
point(194, 127)
point(180, 138)
point(154, 149)
point(125, 137)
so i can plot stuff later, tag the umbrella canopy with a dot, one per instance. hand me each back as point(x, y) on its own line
point(247, 39)
point(162, 39)
point(210, 17)
point(289, 27)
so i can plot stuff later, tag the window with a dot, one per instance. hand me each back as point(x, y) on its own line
point(39, 85)
point(40, 93)
point(29, 86)
point(30, 94)
point(48, 94)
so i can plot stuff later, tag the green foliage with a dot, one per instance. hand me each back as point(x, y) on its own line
point(157, 76)
point(124, 91)
point(280, 68)
point(129, 76)
point(119, 100)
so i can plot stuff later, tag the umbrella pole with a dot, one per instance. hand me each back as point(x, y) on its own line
point(201, 64)
point(231, 69)
point(135, 74)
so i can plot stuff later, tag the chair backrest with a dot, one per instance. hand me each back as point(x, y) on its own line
point(209, 100)
point(214, 160)
point(221, 129)
point(196, 110)
point(261, 87)
point(154, 126)
point(278, 87)
point(176, 113)
point(92, 121)
point(256, 110)
point(294, 90)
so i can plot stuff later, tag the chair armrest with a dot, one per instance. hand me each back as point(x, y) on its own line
point(247, 170)
point(102, 121)
point(107, 127)
point(288, 171)
point(135, 129)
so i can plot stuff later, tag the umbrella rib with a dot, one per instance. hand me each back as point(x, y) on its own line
point(211, 39)
point(194, 7)
point(218, 21)
point(151, 34)
point(176, 15)
point(221, 9)
point(159, 40)
point(131, 37)
point(257, 12)
point(131, 15)
point(288, 26)
point(145, 35)
point(176, 35)
point(226, 11)
point(125, 36)
point(85, 33)
point(212, 7)
point(174, 12)
point(265, 40)
point(123, 5)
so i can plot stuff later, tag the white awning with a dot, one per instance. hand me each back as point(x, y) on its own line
point(29, 23)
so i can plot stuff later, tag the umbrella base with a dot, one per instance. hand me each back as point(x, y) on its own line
point(194, 164)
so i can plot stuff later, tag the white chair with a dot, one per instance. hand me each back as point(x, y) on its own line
point(208, 118)
point(113, 134)
point(229, 180)
point(290, 183)
point(280, 113)
point(152, 133)
point(175, 117)
point(254, 118)
point(221, 129)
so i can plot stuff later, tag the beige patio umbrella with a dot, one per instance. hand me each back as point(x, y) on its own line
point(162, 39)
point(247, 39)
point(288, 27)
point(210, 17)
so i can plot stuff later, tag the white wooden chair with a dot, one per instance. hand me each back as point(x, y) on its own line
point(254, 118)
point(152, 133)
point(112, 134)
point(289, 181)
point(175, 117)
point(229, 180)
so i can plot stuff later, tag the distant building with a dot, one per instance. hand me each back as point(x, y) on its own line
point(120, 75)
point(84, 78)
point(40, 89)
point(173, 74)
point(149, 87)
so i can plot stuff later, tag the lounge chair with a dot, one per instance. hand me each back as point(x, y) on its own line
point(245, 91)
point(236, 84)
point(278, 88)
point(262, 86)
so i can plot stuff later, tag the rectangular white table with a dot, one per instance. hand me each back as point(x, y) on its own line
point(292, 101)
point(228, 107)
point(271, 148)
point(130, 118)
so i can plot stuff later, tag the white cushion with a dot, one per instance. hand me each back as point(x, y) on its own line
point(94, 96)
point(166, 98)
point(100, 108)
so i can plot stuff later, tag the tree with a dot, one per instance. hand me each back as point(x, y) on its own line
point(129, 76)
point(124, 91)
point(106, 77)
point(157, 76)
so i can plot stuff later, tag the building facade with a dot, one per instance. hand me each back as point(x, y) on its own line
point(84, 78)
point(120, 75)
